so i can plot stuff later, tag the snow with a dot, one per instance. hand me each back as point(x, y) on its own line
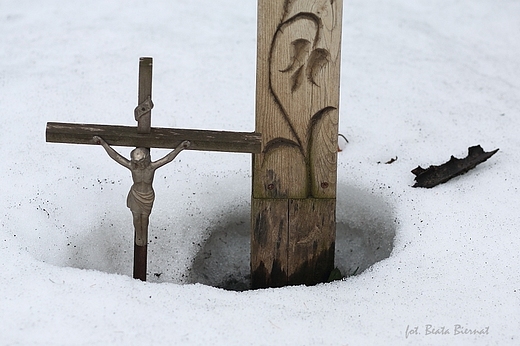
point(421, 81)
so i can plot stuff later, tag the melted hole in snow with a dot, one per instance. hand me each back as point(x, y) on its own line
point(365, 231)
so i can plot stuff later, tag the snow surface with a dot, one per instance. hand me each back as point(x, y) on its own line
point(421, 80)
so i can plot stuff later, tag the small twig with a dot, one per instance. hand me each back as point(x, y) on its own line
point(345, 138)
point(392, 160)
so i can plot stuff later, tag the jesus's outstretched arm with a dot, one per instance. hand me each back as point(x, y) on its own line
point(112, 153)
point(169, 158)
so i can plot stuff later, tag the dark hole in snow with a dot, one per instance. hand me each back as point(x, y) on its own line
point(365, 232)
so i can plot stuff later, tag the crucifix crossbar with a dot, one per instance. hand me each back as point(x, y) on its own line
point(144, 137)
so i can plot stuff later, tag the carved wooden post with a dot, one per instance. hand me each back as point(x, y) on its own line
point(294, 178)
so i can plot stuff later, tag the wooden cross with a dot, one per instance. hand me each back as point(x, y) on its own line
point(145, 136)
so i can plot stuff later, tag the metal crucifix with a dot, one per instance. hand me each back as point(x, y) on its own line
point(143, 137)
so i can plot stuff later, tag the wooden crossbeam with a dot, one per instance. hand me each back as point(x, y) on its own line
point(168, 138)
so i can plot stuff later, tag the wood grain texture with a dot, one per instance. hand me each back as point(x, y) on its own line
point(297, 97)
point(292, 241)
point(312, 234)
point(140, 262)
point(239, 142)
point(269, 243)
point(144, 93)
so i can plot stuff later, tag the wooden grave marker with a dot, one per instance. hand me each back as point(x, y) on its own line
point(294, 177)
point(293, 224)
point(145, 136)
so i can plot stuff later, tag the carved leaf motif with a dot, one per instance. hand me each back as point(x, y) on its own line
point(297, 79)
point(300, 57)
point(318, 59)
point(302, 64)
point(294, 76)
point(322, 148)
point(329, 16)
point(300, 49)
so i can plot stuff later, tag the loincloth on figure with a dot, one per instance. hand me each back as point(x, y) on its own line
point(139, 202)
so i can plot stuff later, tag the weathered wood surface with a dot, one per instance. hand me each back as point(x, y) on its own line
point(312, 234)
point(269, 249)
point(140, 261)
point(143, 116)
point(144, 95)
point(170, 138)
point(297, 98)
point(297, 103)
point(299, 246)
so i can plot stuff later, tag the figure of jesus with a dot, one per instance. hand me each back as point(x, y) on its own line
point(141, 196)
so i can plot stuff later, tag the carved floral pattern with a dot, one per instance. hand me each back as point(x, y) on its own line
point(303, 48)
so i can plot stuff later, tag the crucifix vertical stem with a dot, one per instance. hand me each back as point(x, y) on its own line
point(143, 115)
point(143, 112)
